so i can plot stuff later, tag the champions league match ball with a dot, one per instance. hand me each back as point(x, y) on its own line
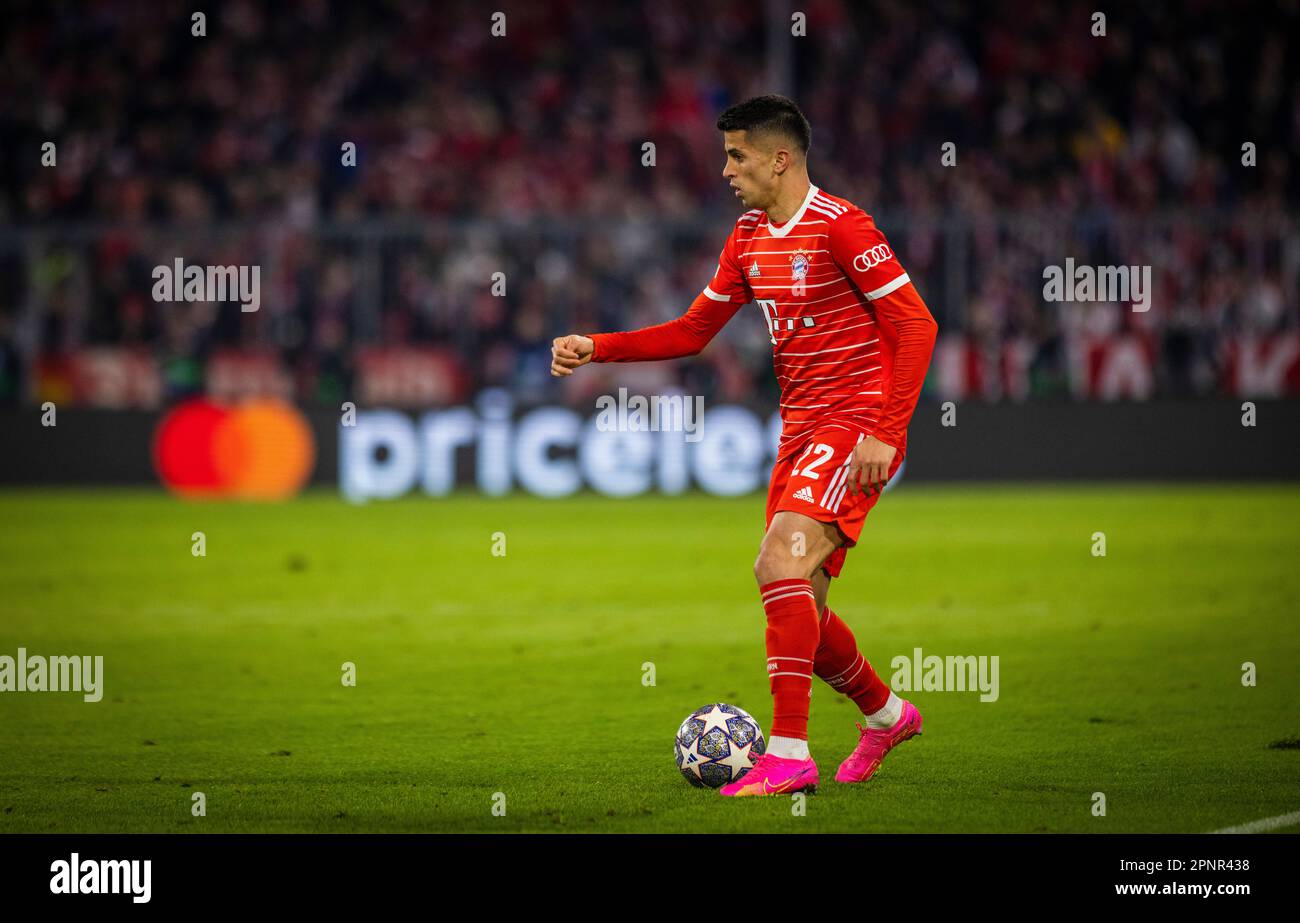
point(717, 744)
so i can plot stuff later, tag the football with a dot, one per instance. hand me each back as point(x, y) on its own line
point(717, 744)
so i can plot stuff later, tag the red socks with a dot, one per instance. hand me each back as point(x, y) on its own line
point(791, 645)
point(799, 644)
point(839, 662)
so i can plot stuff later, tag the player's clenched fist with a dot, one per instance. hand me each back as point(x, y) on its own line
point(569, 352)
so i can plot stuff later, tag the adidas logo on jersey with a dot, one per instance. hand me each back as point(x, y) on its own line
point(753, 271)
point(804, 493)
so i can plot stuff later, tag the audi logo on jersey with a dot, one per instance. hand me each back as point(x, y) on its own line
point(873, 257)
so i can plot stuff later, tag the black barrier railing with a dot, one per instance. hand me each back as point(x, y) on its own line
point(1207, 440)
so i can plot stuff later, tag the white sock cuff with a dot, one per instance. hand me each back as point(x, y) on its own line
point(888, 714)
point(788, 748)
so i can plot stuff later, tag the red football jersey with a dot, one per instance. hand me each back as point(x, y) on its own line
point(851, 338)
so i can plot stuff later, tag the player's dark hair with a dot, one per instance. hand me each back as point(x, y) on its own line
point(768, 115)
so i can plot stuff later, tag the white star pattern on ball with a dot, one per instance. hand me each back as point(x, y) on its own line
point(715, 718)
point(739, 759)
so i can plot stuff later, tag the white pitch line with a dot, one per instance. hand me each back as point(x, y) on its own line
point(1267, 823)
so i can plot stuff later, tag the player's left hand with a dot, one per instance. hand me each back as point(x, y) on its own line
point(870, 462)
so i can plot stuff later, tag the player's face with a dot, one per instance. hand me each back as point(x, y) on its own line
point(749, 170)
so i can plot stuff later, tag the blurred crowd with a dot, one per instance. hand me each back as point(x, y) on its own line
point(524, 154)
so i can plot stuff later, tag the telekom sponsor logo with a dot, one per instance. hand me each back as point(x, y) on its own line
point(873, 257)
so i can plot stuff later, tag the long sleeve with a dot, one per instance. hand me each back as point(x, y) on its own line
point(904, 318)
point(682, 336)
point(690, 333)
point(861, 251)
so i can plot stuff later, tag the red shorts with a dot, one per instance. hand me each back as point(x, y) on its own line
point(819, 486)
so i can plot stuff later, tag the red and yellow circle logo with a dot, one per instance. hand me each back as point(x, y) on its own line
point(259, 450)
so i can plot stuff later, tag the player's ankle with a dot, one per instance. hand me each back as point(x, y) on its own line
point(788, 748)
point(888, 714)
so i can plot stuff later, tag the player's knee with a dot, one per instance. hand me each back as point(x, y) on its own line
point(774, 562)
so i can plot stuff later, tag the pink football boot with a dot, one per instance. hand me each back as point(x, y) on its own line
point(773, 775)
point(875, 743)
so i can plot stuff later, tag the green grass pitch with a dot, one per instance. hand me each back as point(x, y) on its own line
point(522, 674)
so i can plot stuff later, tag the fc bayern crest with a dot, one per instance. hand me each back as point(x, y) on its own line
point(799, 265)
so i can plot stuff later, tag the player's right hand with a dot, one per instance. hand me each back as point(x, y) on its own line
point(569, 352)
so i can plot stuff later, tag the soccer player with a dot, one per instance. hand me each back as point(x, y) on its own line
point(851, 343)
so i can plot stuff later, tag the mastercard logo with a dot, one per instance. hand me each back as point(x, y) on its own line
point(259, 450)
